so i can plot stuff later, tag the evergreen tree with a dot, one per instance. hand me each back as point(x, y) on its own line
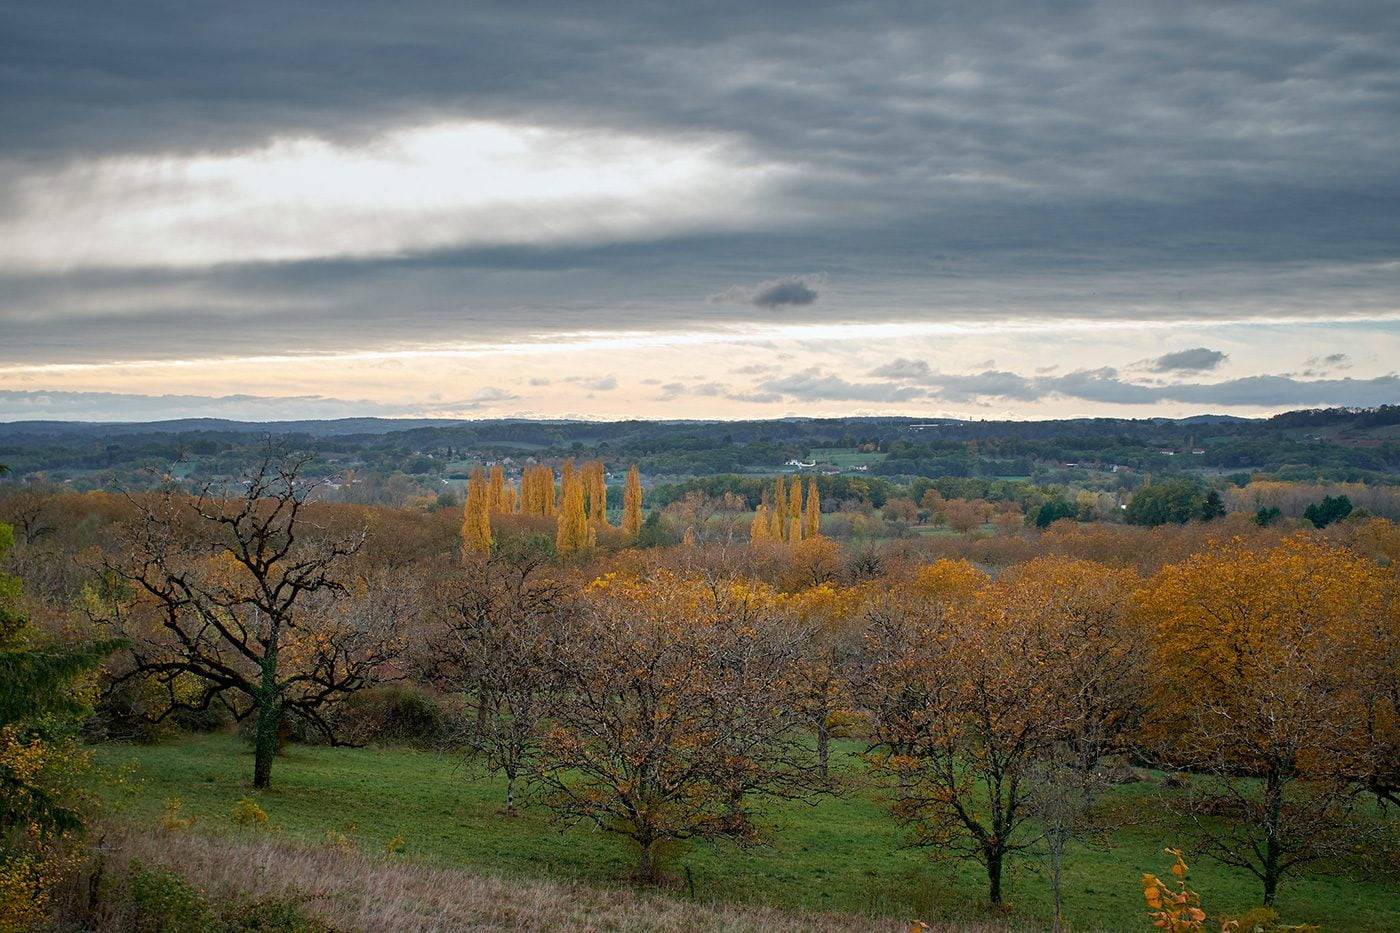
point(41, 807)
point(1329, 510)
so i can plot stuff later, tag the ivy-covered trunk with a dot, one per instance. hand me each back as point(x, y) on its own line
point(269, 720)
point(994, 864)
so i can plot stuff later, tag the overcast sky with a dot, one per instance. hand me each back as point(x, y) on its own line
point(279, 210)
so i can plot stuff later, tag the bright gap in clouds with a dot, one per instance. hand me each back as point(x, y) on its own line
point(450, 184)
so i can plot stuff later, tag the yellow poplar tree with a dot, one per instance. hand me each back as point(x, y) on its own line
point(758, 528)
point(595, 477)
point(812, 519)
point(498, 488)
point(632, 503)
point(777, 514)
point(537, 490)
point(476, 516)
point(527, 490)
point(572, 534)
point(547, 490)
point(795, 510)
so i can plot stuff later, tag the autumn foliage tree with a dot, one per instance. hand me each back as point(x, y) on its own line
point(974, 692)
point(43, 802)
point(672, 716)
point(574, 534)
point(249, 601)
point(476, 515)
point(1261, 683)
point(812, 511)
point(632, 504)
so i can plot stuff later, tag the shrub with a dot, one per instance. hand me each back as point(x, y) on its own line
point(158, 900)
point(398, 715)
point(173, 818)
point(162, 901)
point(247, 813)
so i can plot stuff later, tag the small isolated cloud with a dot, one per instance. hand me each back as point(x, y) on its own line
point(539, 381)
point(1322, 364)
point(901, 368)
point(599, 384)
point(671, 390)
point(795, 290)
point(1197, 359)
point(489, 394)
point(785, 293)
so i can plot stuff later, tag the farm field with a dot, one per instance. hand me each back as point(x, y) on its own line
point(844, 458)
point(843, 853)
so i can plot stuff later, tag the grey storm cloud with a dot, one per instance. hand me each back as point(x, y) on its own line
point(1196, 359)
point(776, 293)
point(791, 292)
point(1137, 160)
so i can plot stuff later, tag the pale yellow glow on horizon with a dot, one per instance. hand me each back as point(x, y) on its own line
point(588, 341)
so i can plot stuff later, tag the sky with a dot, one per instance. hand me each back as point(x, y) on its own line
point(270, 211)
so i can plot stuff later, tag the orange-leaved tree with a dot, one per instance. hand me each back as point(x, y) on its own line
point(972, 695)
point(672, 714)
point(1264, 659)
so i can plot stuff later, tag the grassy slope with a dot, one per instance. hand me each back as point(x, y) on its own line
point(842, 854)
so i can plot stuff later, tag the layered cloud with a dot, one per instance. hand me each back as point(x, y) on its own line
point(422, 188)
point(18, 405)
point(1105, 386)
point(201, 182)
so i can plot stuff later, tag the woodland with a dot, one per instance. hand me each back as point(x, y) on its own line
point(963, 704)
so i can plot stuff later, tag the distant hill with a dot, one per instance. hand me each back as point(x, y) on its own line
point(395, 458)
point(312, 428)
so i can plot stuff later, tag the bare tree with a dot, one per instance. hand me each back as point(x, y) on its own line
point(248, 597)
point(491, 644)
point(673, 714)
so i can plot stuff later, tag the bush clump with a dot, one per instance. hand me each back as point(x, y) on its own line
point(158, 900)
point(397, 715)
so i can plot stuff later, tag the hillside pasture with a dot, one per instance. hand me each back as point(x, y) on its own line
point(841, 854)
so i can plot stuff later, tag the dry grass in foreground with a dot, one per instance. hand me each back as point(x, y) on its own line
point(352, 891)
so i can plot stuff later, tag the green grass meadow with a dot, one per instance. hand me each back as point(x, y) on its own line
point(843, 853)
point(844, 458)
